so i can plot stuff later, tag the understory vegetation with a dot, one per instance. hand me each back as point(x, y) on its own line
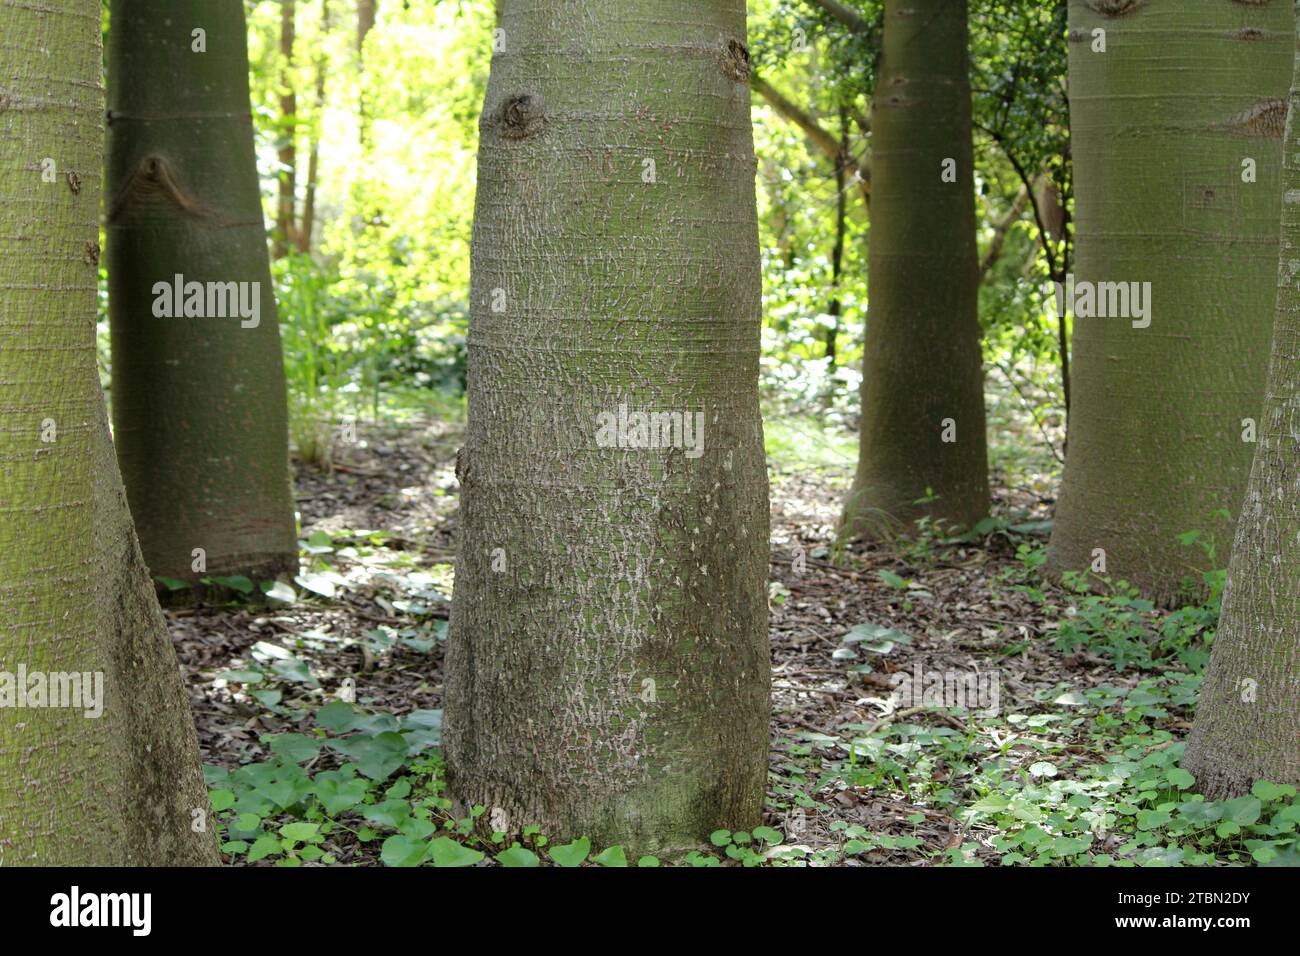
point(321, 758)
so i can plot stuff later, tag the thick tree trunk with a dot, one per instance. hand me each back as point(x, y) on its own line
point(922, 450)
point(286, 211)
point(607, 667)
point(198, 401)
point(1176, 138)
point(1248, 715)
point(124, 787)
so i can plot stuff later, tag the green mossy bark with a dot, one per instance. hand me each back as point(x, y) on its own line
point(1248, 715)
point(922, 375)
point(610, 677)
point(199, 410)
point(125, 788)
point(1160, 125)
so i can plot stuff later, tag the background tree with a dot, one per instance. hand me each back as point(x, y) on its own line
point(123, 788)
point(367, 13)
point(1178, 187)
point(1248, 715)
point(286, 216)
point(607, 664)
point(198, 403)
point(923, 450)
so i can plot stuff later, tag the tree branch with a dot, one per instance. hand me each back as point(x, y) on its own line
point(844, 13)
point(1002, 227)
point(820, 137)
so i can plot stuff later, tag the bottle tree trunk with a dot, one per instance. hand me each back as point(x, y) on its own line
point(1176, 131)
point(607, 666)
point(922, 448)
point(1248, 716)
point(199, 407)
point(124, 787)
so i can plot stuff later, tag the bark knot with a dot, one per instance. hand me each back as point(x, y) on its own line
point(735, 61)
point(1266, 118)
point(522, 116)
point(1115, 8)
point(154, 178)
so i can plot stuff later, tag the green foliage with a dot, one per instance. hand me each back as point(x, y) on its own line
point(360, 778)
point(1137, 808)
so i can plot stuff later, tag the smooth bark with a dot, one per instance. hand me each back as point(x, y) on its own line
point(124, 787)
point(1164, 125)
point(922, 449)
point(199, 407)
point(1248, 715)
point(607, 663)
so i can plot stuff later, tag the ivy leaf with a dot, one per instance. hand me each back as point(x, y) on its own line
point(401, 850)
point(612, 856)
point(302, 832)
point(892, 579)
point(445, 851)
point(1271, 791)
point(517, 856)
point(337, 717)
point(267, 845)
point(377, 757)
point(1180, 778)
point(296, 747)
point(1243, 811)
point(571, 854)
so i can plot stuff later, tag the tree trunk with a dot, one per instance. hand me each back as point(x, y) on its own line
point(1248, 715)
point(125, 787)
point(198, 402)
point(286, 213)
point(607, 667)
point(313, 161)
point(367, 10)
point(837, 251)
point(922, 450)
point(1163, 125)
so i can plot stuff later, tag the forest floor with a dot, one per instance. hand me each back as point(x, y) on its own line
point(1071, 760)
